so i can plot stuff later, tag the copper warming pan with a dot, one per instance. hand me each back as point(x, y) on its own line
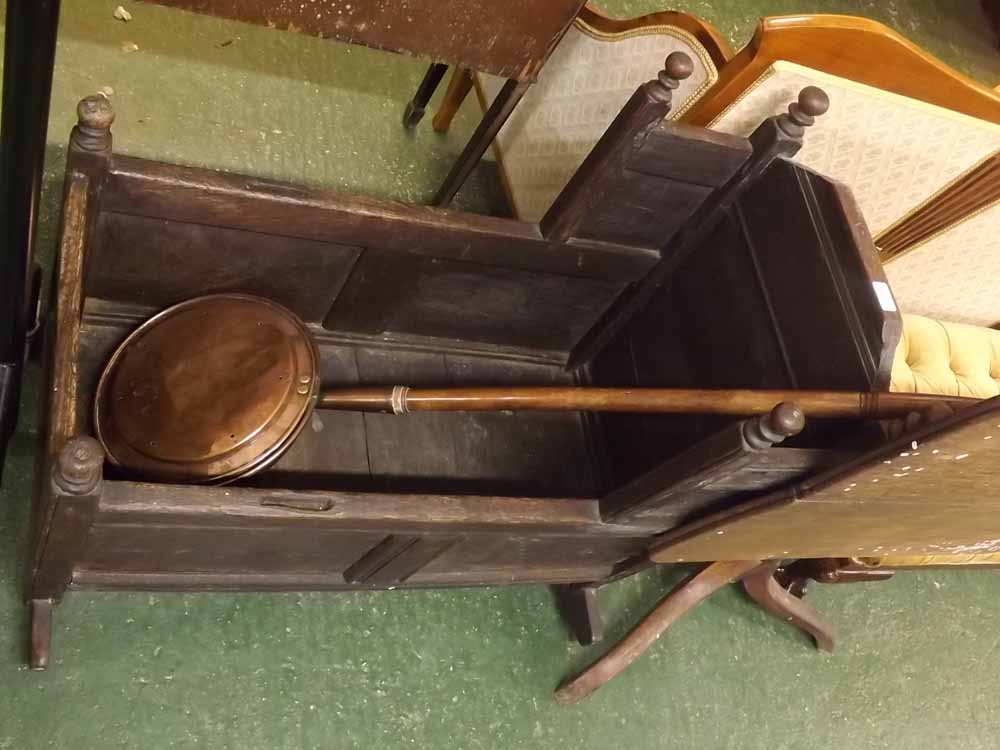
point(218, 387)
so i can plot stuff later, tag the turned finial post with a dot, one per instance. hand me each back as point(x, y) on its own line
point(93, 129)
point(676, 68)
point(78, 468)
point(783, 421)
point(812, 103)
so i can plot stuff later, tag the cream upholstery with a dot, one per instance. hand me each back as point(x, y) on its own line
point(581, 89)
point(950, 359)
point(953, 275)
point(894, 152)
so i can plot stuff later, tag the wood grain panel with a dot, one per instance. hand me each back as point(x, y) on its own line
point(858, 49)
point(163, 191)
point(158, 263)
point(510, 39)
point(932, 491)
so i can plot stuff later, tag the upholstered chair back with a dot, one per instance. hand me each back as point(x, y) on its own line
point(894, 152)
point(953, 275)
point(579, 92)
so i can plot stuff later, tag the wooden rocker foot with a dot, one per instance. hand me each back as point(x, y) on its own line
point(684, 597)
point(762, 587)
point(581, 612)
point(40, 644)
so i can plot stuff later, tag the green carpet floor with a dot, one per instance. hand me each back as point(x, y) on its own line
point(916, 665)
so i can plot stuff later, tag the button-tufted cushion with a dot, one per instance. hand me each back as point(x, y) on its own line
point(951, 359)
point(579, 92)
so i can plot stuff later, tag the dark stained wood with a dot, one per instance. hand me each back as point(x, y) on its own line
point(794, 577)
point(397, 558)
point(162, 191)
point(60, 526)
point(681, 487)
point(379, 557)
point(451, 300)
point(642, 114)
point(639, 184)
point(303, 275)
point(831, 243)
point(580, 610)
point(776, 137)
point(40, 640)
point(756, 333)
point(512, 39)
point(234, 506)
point(424, 297)
point(416, 107)
point(74, 493)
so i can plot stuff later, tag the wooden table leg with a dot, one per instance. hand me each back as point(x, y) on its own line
point(494, 119)
point(458, 88)
point(416, 107)
point(684, 597)
point(762, 587)
point(40, 644)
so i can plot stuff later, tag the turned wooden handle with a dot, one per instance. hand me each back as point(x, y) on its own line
point(401, 400)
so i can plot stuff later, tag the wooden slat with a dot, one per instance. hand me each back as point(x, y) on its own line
point(162, 191)
point(845, 46)
point(972, 192)
point(126, 502)
point(396, 558)
point(158, 263)
point(834, 267)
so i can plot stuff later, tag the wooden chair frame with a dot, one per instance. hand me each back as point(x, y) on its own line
point(716, 45)
point(858, 49)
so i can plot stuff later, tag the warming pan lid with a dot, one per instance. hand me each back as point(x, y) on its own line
point(210, 389)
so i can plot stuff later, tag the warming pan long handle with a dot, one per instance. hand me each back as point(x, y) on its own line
point(401, 400)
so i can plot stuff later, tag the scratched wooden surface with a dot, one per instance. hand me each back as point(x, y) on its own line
point(510, 39)
point(934, 490)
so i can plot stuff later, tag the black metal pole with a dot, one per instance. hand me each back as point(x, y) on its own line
point(29, 56)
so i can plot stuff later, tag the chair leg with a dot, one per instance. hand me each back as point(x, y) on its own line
point(40, 643)
point(458, 88)
point(762, 587)
point(490, 125)
point(684, 597)
point(581, 612)
point(415, 109)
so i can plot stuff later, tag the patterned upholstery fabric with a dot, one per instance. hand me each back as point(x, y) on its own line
point(953, 275)
point(948, 359)
point(894, 152)
point(581, 89)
